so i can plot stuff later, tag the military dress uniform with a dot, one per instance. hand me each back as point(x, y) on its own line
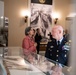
point(58, 53)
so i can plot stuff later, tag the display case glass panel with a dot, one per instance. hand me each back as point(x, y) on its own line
point(30, 63)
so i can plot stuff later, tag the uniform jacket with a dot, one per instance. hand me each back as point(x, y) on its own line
point(28, 44)
point(58, 54)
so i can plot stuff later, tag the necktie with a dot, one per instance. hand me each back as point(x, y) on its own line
point(58, 43)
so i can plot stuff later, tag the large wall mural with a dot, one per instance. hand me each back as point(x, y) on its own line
point(41, 16)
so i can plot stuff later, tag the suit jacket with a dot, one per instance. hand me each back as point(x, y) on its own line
point(58, 54)
point(38, 38)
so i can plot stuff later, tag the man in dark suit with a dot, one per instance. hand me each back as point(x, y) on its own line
point(38, 38)
point(58, 49)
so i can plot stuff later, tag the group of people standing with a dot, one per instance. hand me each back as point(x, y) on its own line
point(32, 39)
point(57, 48)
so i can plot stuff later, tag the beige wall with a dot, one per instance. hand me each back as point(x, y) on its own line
point(63, 7)
point(13, 10)
point(17, 26)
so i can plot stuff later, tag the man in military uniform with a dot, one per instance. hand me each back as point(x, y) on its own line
point(58, 49)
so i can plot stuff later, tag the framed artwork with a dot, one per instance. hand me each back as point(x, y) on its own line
point(41, 11)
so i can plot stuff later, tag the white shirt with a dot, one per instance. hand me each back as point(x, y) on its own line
point(60, 40)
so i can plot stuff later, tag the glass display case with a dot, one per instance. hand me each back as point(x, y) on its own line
point(28, 63)
point(2, 68)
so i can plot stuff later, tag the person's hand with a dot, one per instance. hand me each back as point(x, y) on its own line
point(35, 44)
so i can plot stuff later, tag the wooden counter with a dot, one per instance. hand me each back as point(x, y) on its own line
point(43, 46)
